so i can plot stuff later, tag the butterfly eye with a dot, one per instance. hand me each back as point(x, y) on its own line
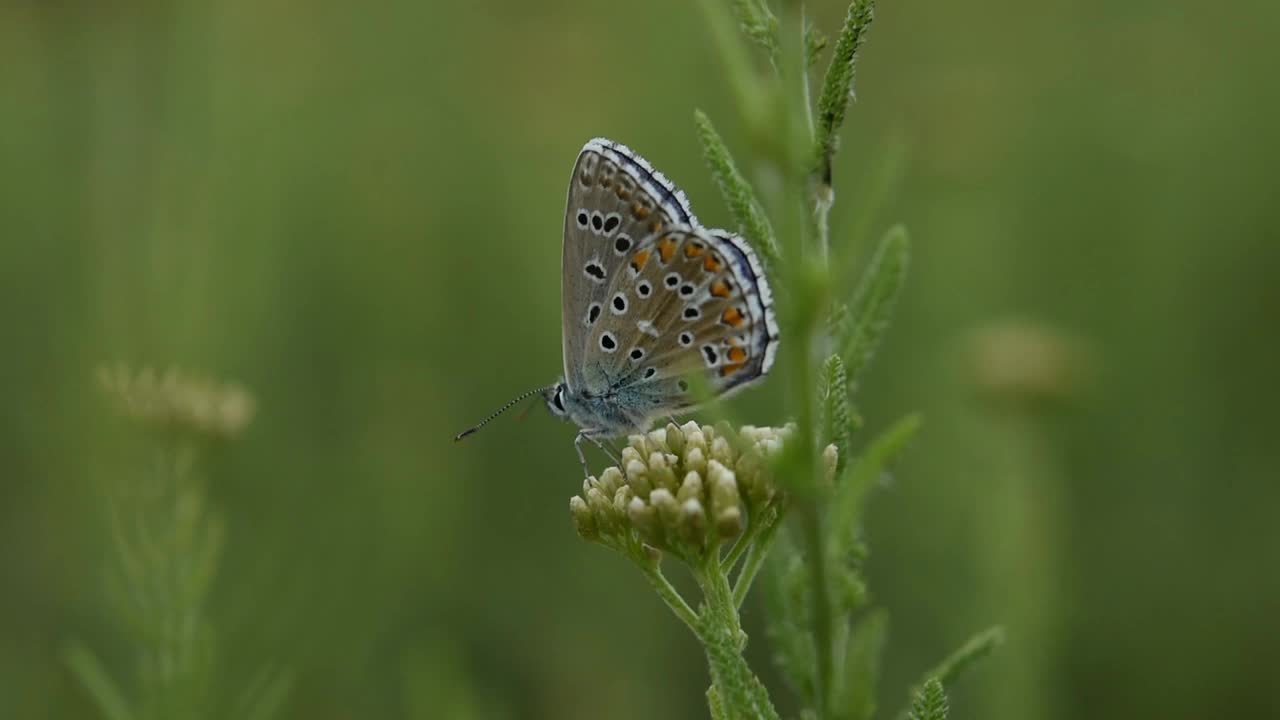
point(558, 400)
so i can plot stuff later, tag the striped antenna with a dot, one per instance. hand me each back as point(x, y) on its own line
point(501, 410)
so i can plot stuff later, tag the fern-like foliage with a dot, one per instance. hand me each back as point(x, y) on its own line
point(736, 191)
point(838, 418)
point(930, 703)
point(860, 327)
point(837, 87)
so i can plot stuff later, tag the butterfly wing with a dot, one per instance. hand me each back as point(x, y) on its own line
point(616, 203)
point(689, 301)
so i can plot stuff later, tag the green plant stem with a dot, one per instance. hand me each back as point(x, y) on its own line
point(756, 556)
point(669, 594)
point(740, 691)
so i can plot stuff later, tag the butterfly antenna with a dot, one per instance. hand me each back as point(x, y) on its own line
point(501, 410)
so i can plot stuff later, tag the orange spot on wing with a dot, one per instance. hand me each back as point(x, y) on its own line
point(666, 248)
point(693, 250)
point(737, 355)
point(639, 259)
point(712, 264)
point(730, 368)
point(731, 316)
point(720, 289)
point(640, 211)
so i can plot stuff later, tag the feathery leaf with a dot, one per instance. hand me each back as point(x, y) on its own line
point(930, 702)
point(93, 676)
point(950, 669)
point(837, 86)
point(737, 192)
point(838, 419)
point(846, 504)
point(860, 327)
point(857, 699)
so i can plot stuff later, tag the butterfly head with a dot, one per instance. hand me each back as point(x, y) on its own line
point(554, 396)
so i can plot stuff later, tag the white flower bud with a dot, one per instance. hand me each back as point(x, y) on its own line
point(583, 521)
point(628, 454)
point(675, 439)
point(610, 480)
point(691, 488)
point(830, 460)
point(668, 510)
point(658, 440)
point(693, 523)
point(695, 460)
point(722, 451)
point(638, 478)
point(660, 473)
point(644, 518)
point(640, 443)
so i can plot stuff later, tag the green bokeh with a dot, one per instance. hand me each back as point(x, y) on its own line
point(355, 210)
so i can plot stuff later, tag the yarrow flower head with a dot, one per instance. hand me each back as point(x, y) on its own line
point(681, 489)
point(179, 401)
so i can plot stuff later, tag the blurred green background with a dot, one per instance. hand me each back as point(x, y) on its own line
point(355, 210)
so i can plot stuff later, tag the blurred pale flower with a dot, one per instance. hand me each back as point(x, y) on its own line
point(180, 401)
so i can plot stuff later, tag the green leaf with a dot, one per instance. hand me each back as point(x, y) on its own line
point(930, 702)
point(737, 192)
point(760, 25)
point(837, 86)
point(949, 670)
point(860, 327)
point(862, 667)
point(104, 691)
point(786, 618)
point(839, 422)
point(814, 43)
point(715, 706)
point(846, 505)
point(266, 694)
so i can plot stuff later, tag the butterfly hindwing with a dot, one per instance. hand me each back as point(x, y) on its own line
point(691, 301)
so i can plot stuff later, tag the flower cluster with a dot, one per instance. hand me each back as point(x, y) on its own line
point(681, 489)
point(179, 401)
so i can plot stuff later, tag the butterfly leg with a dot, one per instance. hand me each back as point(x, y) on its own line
point(613, 454)
point(577, 447)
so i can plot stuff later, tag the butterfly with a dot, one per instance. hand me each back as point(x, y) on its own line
point(654, 306)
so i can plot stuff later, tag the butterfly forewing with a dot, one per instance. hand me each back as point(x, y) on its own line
point(616, 202)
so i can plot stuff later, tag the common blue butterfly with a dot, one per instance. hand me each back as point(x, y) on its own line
point(650, 299)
